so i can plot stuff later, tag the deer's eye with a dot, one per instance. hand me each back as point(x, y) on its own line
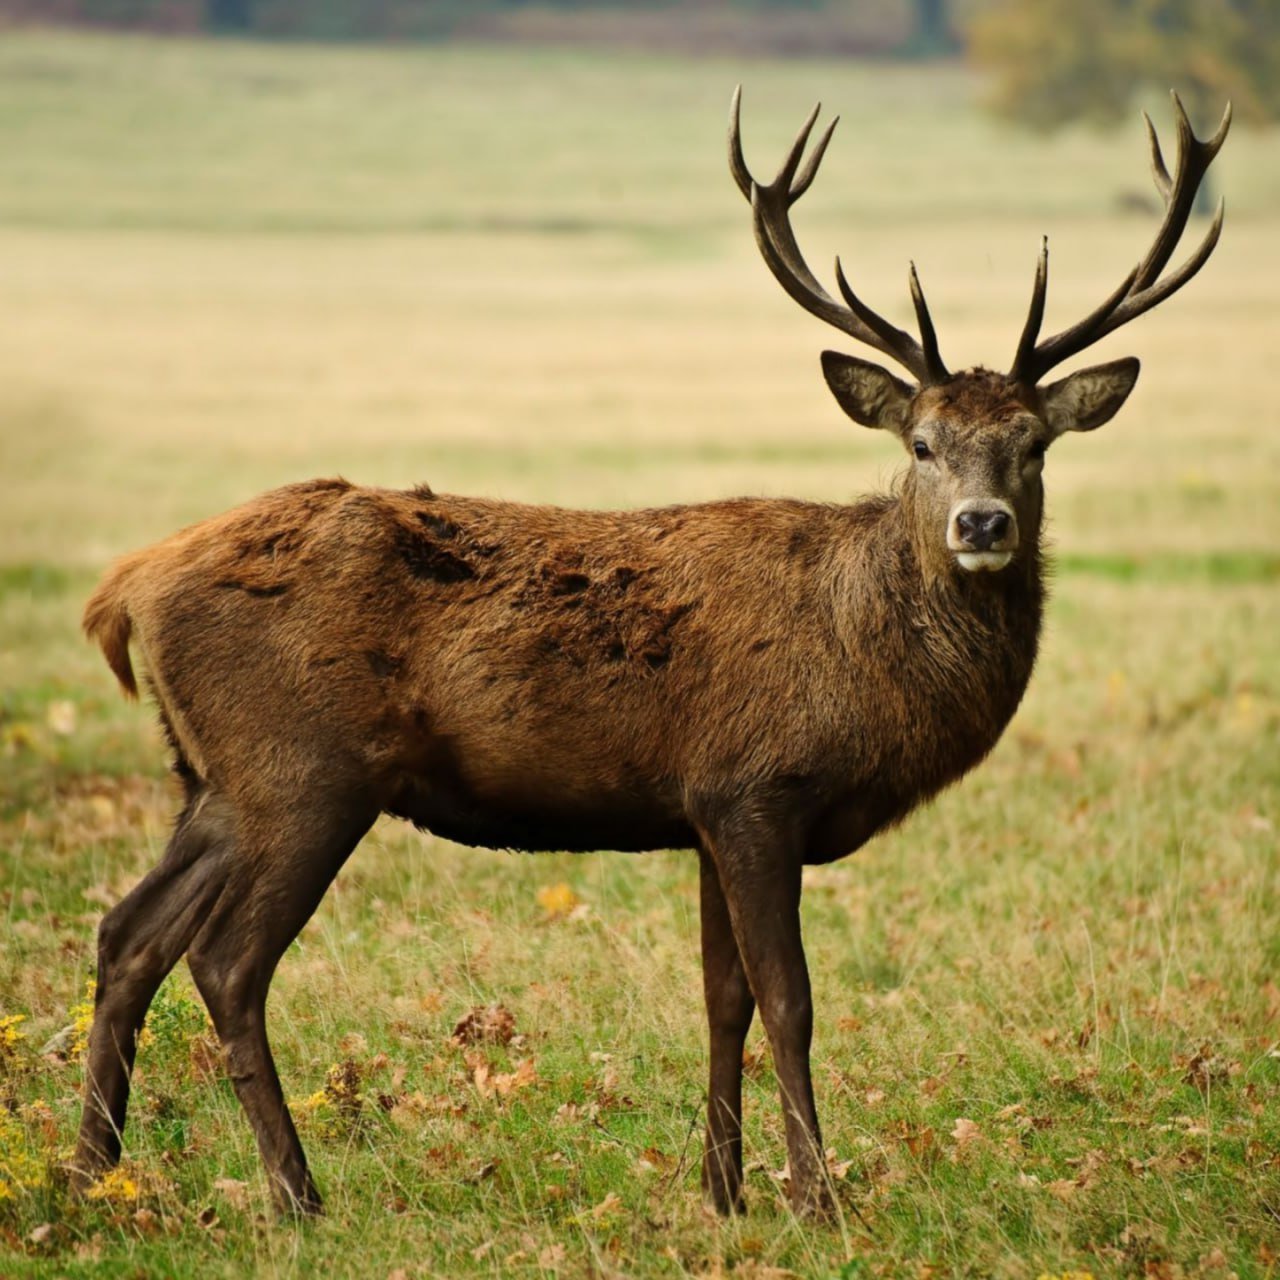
point(921, 450)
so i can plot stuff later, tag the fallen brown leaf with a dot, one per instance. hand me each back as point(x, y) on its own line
point(552, 1257)
point(610, 1205)
point(233, 1191)
point(523, 1077)
point(493, 1023)
point(918, 1141)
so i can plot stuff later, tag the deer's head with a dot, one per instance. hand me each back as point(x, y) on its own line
point(977, 438)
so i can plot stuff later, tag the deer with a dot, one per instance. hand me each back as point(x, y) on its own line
point(768, 682)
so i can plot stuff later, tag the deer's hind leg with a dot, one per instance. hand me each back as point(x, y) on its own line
point(284, 862)
point(140, 939)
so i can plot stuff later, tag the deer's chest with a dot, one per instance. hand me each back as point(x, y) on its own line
point(918, 727)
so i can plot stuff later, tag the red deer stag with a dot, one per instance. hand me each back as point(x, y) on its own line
point(769, 682)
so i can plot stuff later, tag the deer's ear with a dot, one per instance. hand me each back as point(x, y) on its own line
point(1086, 399)
point(866, 392)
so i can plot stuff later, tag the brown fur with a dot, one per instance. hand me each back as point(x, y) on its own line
point(770, 681)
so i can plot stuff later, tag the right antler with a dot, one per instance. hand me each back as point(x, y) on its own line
point(770, 208)
point(1143, 287)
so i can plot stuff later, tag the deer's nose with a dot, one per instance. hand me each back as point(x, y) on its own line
point(981, 530)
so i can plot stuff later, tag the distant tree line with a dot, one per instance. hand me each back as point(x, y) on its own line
point(1053, 61)
point(927, 22)
point(1061, 60)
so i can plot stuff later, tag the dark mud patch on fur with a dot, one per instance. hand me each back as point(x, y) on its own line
point(435, 548)
point(261, 593)
point(383, 665)
point(568, 583)
point(428, 561)
point(438, 526)
point(601, 611)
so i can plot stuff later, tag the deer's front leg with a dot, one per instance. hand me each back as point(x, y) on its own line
point(730, 1007)
point(760, 876)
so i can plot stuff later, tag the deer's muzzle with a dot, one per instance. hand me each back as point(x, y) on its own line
point(983, 533)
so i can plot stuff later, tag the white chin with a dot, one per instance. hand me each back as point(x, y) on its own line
point(977, 561)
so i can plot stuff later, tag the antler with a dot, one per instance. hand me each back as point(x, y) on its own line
point(1143, 288)
point(770, 209)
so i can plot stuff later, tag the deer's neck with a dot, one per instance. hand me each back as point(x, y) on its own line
point(958, 647)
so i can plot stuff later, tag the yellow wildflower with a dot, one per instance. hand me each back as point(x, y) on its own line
point(10, 1036)
point(115, 1187)
point(20, 1167)
point(557, 899)
point(82, 1020)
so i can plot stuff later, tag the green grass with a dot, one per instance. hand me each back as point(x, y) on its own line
point(1215, 567)
point(1048, 1013)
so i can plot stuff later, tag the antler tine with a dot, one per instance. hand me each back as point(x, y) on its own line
point(1144, 287)
point(770, 206)
point(1220, 134)
point(1024, 356)
point(737, 161)
point(938, 372)
point(1164, 184)
point(792, 161)
point(810, 170)
point(892, 340)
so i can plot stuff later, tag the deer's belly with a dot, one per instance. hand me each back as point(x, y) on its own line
point(846, 826)
point(553, 822)
point(505, 793)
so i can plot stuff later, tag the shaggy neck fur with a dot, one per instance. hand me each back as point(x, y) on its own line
point(952, 650)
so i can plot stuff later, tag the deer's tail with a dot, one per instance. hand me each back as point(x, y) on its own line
point(107, 621)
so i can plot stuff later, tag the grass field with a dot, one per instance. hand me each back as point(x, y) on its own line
point(1048, 1006)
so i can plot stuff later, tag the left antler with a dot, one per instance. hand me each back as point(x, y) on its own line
point(1143, 288)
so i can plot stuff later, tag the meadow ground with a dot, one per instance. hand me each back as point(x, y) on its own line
point(1048, 1006)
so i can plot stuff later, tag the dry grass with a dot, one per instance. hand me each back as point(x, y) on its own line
point(1048, 1012)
